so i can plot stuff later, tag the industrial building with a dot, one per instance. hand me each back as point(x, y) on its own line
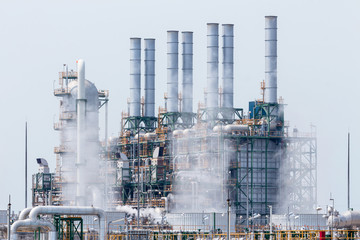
point(177, 158)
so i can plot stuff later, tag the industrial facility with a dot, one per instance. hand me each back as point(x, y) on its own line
point(211, 169)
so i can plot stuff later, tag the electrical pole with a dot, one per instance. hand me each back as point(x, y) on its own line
point(348, 170)
point(25, 164)
point(9, 218)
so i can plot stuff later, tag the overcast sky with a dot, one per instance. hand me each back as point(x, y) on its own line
point(318, 71)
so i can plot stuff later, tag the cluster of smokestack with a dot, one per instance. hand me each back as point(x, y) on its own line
point(173, 72)
point(135, 77)
point(227, 99)
point(227, 95)
point(213, 99)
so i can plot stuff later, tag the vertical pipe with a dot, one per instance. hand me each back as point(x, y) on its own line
point(149, 77)
point(228, 66)
point(212, 65)
point(107, 154)
point(67, 77)
point(80, 161)
point(228, 218)
point(172, 70)
point(26, 160)
point(271, 59)
point(135, 76)
point(187, 68)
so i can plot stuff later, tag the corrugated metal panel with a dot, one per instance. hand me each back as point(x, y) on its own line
point(3, 217)
point(200, 221)
point(306, 221)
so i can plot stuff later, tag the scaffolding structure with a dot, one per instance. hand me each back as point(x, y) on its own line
point(267, 166)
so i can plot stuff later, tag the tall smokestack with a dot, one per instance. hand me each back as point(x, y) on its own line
point(80, 161)
point(187, 82)
point(228, 66)
point(212, 65)
point(135, 76)
point(149, 77)
point(172, 70)
point(271, 59)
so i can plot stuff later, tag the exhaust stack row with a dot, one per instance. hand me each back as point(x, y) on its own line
point(173, 71)
point(213, 66)
point(227, 95)
point(135, 77)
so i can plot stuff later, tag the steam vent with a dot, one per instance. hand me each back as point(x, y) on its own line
point(178, 167)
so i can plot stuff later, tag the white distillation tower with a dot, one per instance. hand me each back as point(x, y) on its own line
point(80, 163)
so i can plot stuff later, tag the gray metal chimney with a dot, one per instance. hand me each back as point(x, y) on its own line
point(172, 70)
point(187, 68)
point(135, 76)
point(212, 65)
point(149, 77)
point(228, 66)
point(271, 59)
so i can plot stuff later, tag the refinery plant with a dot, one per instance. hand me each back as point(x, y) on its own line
point(175, 171)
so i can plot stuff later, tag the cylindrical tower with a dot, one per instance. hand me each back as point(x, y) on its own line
point(212, 65)
point(81, 129)
point(79, 148)
point(228, 66)
point(135, 76)
point(270, 59)
point(172, 70)
point(187, 68)
point(149, 77)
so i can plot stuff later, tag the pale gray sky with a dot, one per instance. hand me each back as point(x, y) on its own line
point(318, 49)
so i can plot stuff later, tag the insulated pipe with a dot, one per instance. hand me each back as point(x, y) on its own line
point(212, 65)
point(228, 66)
point(172, 70)
point(187, 68)
point(62, 210)
point(149, 77)
point(25, 213)
point(270, 59)
point(81, 128)
point(34, 224)
point(135, 76)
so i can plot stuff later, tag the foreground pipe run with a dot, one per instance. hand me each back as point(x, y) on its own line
point(212, 65)
point(271, 59)
point(149, 77)
point(81, 128)
point(172, 70)
point(25, 213)
point(63, 210)
point(187, 68)
point(33, 224)
point(228, 66)
point(135, 76)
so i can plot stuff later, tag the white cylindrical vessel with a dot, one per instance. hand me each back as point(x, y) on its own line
point(270, 59)
point(187, 68)
point(172, 70)
point(149, 77)
point(135, 76)
point(228, 66)
point(81, 128)
point(348, 219)
point(212, 65)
